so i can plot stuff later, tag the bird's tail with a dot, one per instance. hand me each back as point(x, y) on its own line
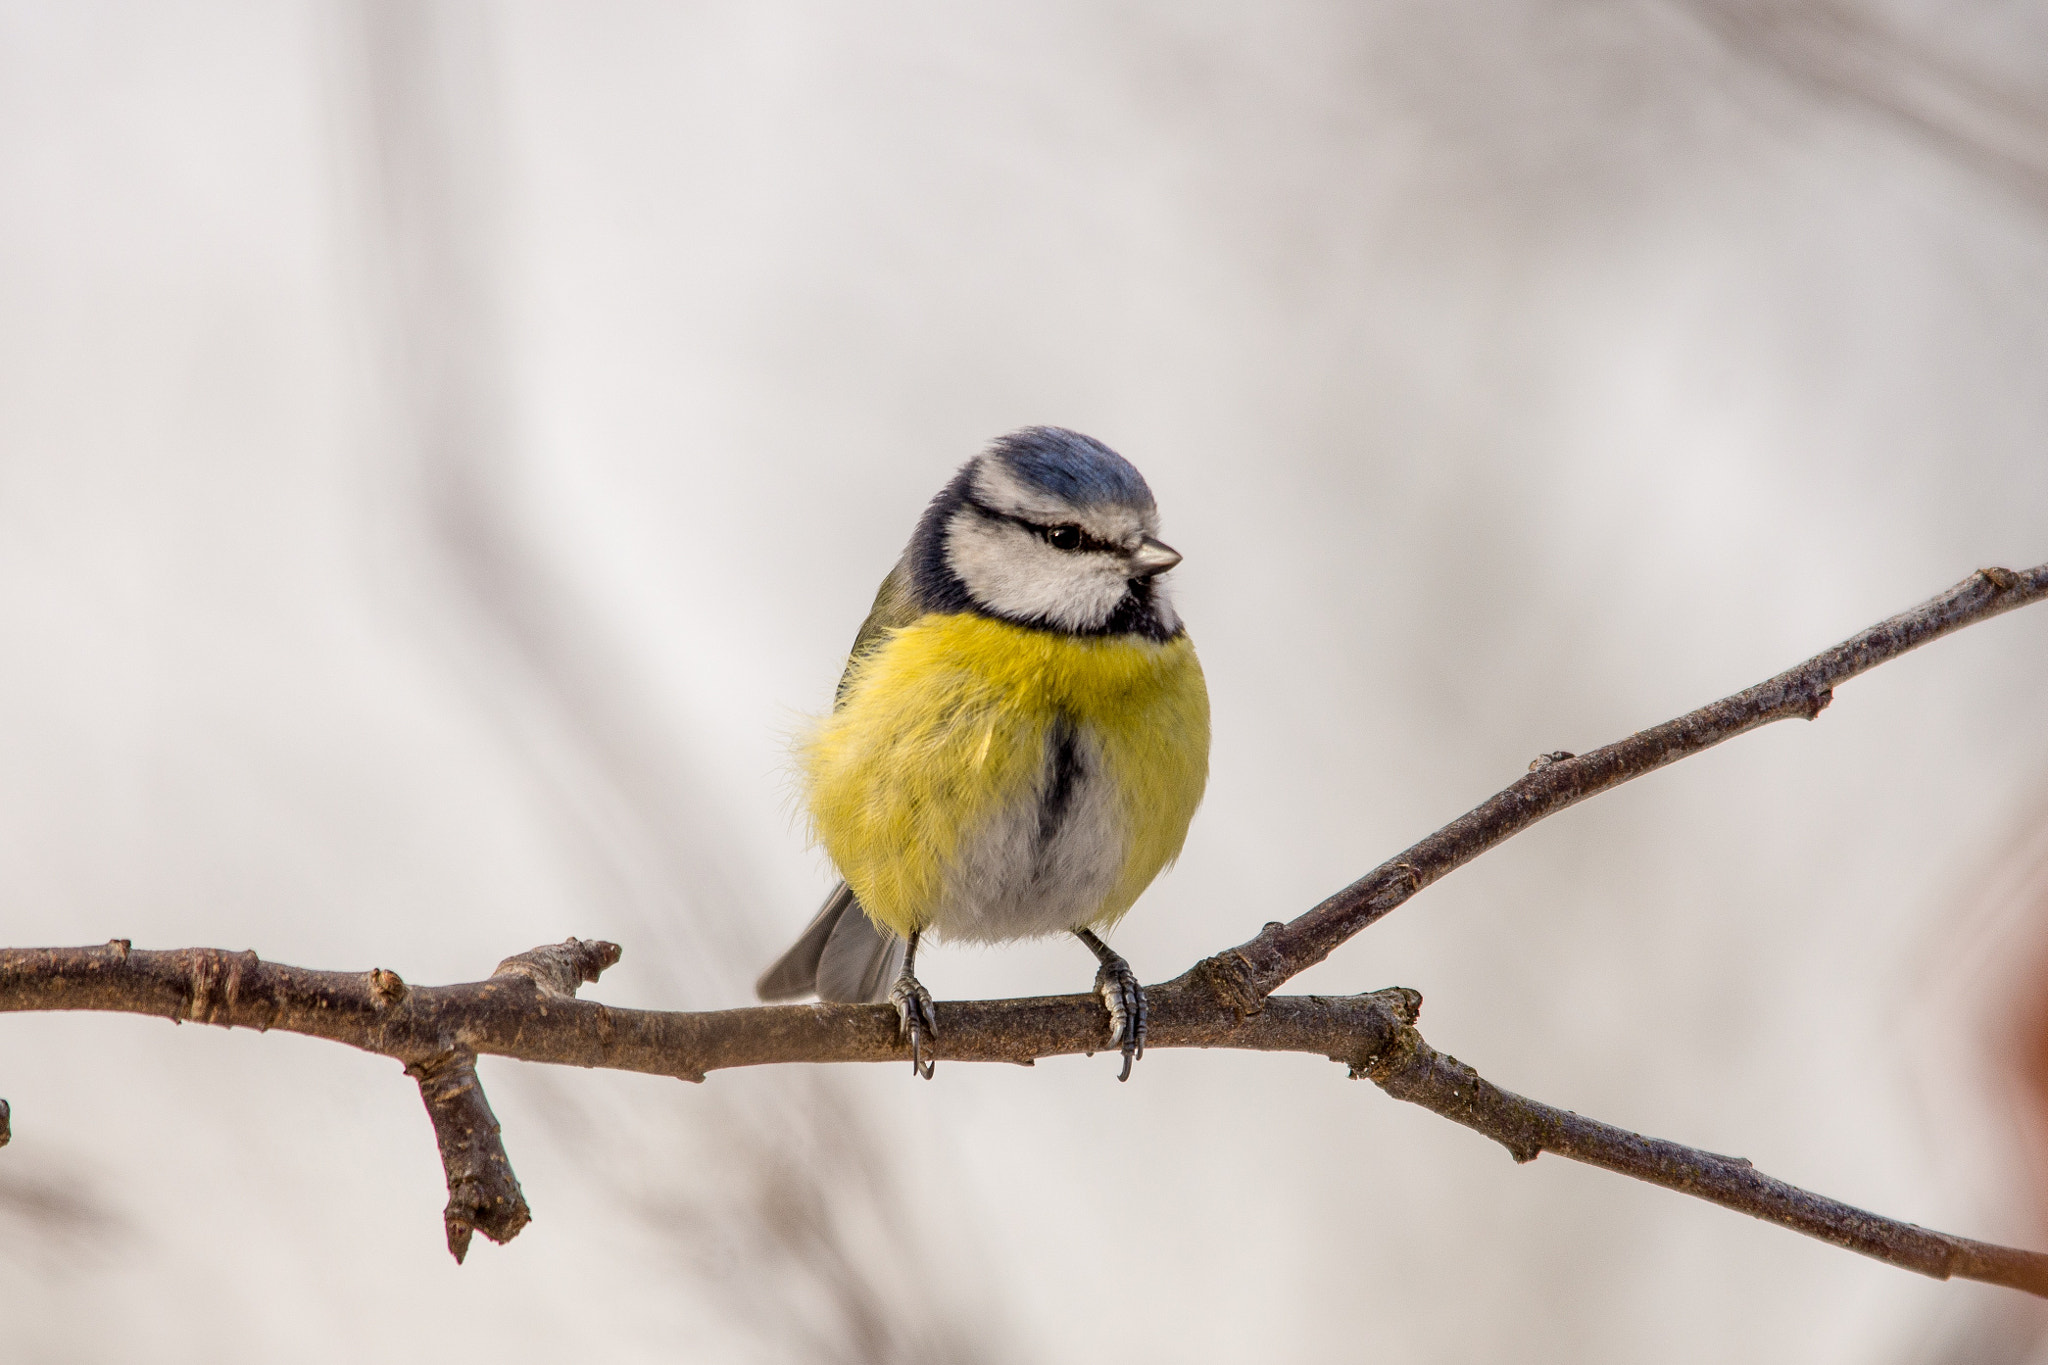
point(841, 957)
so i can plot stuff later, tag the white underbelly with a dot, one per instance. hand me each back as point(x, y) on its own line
point(1047, 864)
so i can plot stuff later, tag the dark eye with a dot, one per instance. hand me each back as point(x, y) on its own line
point(1064, 537)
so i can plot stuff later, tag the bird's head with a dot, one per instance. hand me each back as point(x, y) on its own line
point(1048, 528)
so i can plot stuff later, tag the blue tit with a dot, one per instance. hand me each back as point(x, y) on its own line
point(1019, 739)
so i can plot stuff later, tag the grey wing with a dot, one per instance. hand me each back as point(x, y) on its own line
point(841, 957)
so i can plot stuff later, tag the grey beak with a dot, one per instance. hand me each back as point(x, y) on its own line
point(1152, 557)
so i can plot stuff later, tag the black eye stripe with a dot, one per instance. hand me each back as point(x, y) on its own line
point(1043, 532)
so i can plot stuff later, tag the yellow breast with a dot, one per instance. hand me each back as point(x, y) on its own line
point(944, 726)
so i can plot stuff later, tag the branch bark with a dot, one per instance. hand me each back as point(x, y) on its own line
point(517, 1013)
point(1414, 1071)
point(525, 1010)
point(483, 1194)
point(528, 1008)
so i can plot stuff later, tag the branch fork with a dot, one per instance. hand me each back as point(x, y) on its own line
point(483, 1194)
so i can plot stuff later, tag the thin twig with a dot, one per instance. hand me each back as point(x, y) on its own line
point(1242, 976)
point(1414, 1071)
point(483, 1194)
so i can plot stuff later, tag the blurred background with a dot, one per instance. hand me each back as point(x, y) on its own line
point(446, 449)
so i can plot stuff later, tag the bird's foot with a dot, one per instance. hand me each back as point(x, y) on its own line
point(916, 1020)
point(1118, 986)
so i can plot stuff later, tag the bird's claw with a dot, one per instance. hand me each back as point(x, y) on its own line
point(916, 1020)
point(1118, 986)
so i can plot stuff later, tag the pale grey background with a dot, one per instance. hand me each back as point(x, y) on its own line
point(446, 449)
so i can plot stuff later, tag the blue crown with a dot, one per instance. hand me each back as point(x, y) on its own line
point(1078, 469)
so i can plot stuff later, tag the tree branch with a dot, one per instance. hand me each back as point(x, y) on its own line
point(483, 1195)
point(522, 1012)
point(1245, 975)
point(1414, 1071)
point(527, 1009)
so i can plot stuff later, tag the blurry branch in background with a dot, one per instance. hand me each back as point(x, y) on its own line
point(527, 1009)
point(1852, 56)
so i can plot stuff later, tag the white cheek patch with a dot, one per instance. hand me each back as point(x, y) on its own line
point(1012, 572)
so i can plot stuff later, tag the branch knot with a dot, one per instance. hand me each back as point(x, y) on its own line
point(214, 983)
point(1233, 981)
point(386, 988)
point(559, 968)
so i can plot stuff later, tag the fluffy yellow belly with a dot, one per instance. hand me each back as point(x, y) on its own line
point(940, 783)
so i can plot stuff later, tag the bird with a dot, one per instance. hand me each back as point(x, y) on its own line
point(1018, 741)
